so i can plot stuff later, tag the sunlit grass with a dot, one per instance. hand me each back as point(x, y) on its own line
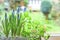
point(40, 17)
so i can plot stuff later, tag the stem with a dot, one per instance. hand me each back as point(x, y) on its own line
point(46, 16)
point(40, 37)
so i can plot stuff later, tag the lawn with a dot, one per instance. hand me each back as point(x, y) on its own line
point(40, 17)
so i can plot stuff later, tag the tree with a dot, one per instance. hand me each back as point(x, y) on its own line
point(46, 8)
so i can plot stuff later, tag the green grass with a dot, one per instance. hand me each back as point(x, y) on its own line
point(40, 17)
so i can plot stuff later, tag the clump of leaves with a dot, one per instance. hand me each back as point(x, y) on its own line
point(17, 23)
point(24, 19)
point(34, 30)
point(12, 22)
point(23, 25)
point(6, 27)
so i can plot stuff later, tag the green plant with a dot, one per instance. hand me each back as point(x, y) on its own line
point(17, 23)
point(34, 30)
point(6, 27)
point(27, 20)
point(20, 21)
point(22, 24)
point(12, 22)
